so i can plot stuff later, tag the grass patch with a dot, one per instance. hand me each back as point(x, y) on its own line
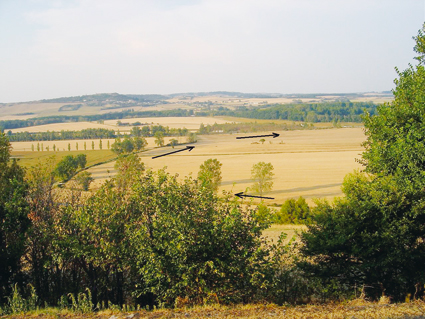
point(273, 232)
point(351, 309)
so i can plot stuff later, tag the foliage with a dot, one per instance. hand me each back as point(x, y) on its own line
point(210, 174)
point(128, 145)
point(84, 179)
point(128, 168)
point(159, 138)
point(305, 112)
point(14, 222)
point(191, 138)
point(213, 247)
point(17, 304)
point(68, 166)
point(262, 174)
point(173, 142)
point(375, 236)
point(293, 212)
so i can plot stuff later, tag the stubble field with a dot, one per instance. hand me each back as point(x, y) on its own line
point(310, 163)
point(191, 123)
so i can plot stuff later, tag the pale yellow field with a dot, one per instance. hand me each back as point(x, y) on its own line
point(311, 164)
point(63, 145)
point(57, 127)
point(39, 109)
point(191, 123)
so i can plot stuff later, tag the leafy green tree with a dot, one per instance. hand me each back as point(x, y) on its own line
point(42, 201)
point(32, 147)
point(136, 131)
point(374, 236)
point(127, 145)
point(100, 144)
point(54, 148)
point(14, 220)
point(128, 168)
point(173, 142)
point(69, 146)
point(92, 145)
point(262, 174)
point(159, 138)
point(85, 146)
point(76, 146)
point(192, 138)
point(68, 166)
point(81, 160)
point(293, 212)
point(262, 140)
point(84, 179)
point(108, 145)
point(139, 143)
point(213, 248)
point(210, 174)
point(38, 147)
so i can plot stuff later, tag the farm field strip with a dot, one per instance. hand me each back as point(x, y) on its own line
point(191, 123)
point(311, 164)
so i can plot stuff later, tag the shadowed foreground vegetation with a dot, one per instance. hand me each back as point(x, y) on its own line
point(354, 309)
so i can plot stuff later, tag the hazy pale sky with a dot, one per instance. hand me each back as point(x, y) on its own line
point(54, 48)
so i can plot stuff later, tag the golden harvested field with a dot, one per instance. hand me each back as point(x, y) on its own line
point(191, 123)
point(309, 163)
point(57, 127)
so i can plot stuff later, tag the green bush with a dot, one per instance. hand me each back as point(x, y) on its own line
point(193, 245)
point(293, 212)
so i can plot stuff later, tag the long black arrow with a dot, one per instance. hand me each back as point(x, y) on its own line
point(184, 149)
point(273, 134)
point(240, 195)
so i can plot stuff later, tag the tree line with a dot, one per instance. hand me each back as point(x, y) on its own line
point(310, 112)
point(95, 133)
point(305, 112)
point(127, 114)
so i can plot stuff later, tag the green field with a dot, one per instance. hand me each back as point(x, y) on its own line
point(28, 159)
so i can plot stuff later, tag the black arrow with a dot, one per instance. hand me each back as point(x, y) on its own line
point(240, 195)
point(184, 149)
point(273, 134)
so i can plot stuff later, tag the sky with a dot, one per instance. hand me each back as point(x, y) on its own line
point(54, 48)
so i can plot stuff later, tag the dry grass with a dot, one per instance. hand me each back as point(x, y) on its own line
point(57, 127)
point(354, 309)
point(311, 164)
point(191, 123)
point(273, 233)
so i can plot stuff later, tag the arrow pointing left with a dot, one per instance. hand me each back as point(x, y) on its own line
point(241, 195)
